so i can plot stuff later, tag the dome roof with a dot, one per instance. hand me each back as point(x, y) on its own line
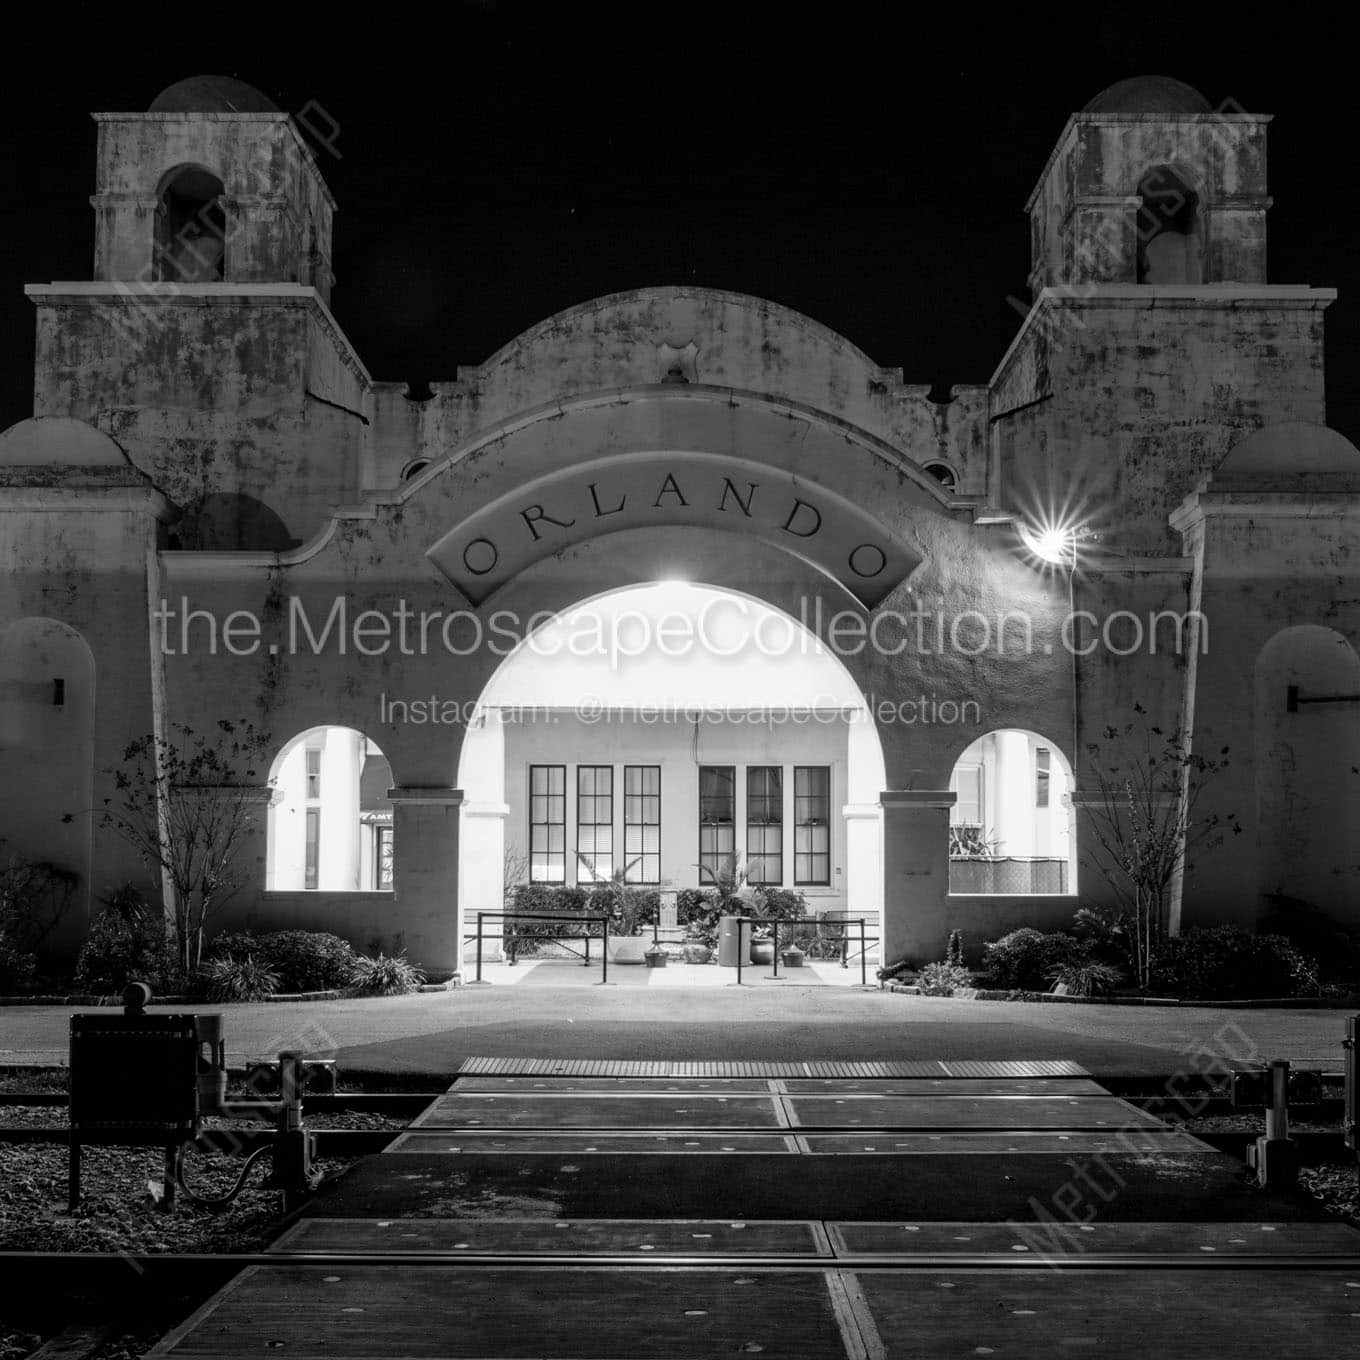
point(1149, 94)
point(58, 441)
point(212, 94)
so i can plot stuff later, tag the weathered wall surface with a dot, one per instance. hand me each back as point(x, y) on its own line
point(699, 336)
point(246, 411)
point(279, 211)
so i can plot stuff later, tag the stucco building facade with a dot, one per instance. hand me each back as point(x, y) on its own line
point(217, 511)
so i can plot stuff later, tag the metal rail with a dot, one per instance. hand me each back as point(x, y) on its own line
point(603, 920)
point(164, 1270)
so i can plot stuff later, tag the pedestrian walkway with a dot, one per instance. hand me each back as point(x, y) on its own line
point(683, 1210)
point(676, 976)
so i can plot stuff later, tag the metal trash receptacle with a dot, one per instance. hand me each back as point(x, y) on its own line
point(730, 938)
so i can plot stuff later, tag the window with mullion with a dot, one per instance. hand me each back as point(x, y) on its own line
point(642, 823)
point(764, 824)
point(547, 823)
point(594, 822)
point(717, 820)
point(811, 825)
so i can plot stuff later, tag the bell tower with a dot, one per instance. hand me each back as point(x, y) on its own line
point(213, 184)
point(1150, 184)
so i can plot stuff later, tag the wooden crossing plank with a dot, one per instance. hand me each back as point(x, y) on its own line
point(595, 1111)
point(442, 1313)
point(1296, 1314)
point(967, 1112)
point(453, 1141)
point(1069, 1241)
point(556, 1237)
point(1050, 1143)
point(946, 1086)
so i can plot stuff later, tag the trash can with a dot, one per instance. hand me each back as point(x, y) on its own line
point(728, 928)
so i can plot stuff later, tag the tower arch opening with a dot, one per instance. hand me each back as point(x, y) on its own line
point(191, 227)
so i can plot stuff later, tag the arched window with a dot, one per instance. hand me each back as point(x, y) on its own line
point(413, 469)
point(191, 228)
point(1170, 239)
point(330, 820)
point(944, 474)
point(1011, 826)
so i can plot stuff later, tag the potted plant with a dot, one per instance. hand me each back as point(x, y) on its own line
point(791, 956)
point(655, 956)
point(696, 951)
point(762, 946)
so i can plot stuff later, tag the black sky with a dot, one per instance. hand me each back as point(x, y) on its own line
point(865, 164)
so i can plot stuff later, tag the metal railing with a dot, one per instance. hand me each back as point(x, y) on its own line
point(840, 924)
point(558, 938)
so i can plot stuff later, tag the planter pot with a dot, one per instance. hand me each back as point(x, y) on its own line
point(697, 953)
point(656, 958)
point(629, 949)
point(792, 958)
point(762, 951)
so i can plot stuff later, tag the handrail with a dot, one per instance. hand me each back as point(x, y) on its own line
point(603, 921)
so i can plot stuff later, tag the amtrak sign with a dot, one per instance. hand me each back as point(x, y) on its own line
point(710, 491)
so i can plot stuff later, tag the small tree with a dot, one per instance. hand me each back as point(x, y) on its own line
point(184, 801)
point(1146, 822)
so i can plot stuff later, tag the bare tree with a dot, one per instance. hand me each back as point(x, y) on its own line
point(185, 802)
point(1146, 822)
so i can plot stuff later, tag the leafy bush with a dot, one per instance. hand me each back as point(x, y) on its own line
point(34, 897)
point(384, 975)
point(943, 979)
point(523, 937)
point(17, 964)
point(238, 979)
point(127, 942)
point(698, 910)
point(1087, 977)
point(1023, 960)
point(1334, 945)
point(301, 960)
point(1226, 962)
point(1107, 935)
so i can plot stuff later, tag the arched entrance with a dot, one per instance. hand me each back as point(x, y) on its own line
point(657, 730)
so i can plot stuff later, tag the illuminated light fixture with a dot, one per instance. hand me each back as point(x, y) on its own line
point(1055, 543)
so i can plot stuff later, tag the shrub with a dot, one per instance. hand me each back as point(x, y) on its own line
point(1022, 960)
point(17, 964)
point(384, 975)
point(238, 979)
point(1335, 946)
point(1107, 935)
point(1087, 977)
point(1226, 962)
point(943, 979)
point(127, 942)
point(523, 937)
point(308, 960)
point(301, 960)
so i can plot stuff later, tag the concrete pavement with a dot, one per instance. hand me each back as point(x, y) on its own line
point(429, 1033)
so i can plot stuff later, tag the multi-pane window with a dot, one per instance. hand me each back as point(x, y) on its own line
point(764, 824)
point(811, 824)
point(594, 822)
point(312, 860)
point(642, 823)
point(547, 823)
point(313, 756)
point(1042, 773)
point(382, 856)
point(717, 820)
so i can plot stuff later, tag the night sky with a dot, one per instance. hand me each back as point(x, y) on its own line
point(867, 165)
